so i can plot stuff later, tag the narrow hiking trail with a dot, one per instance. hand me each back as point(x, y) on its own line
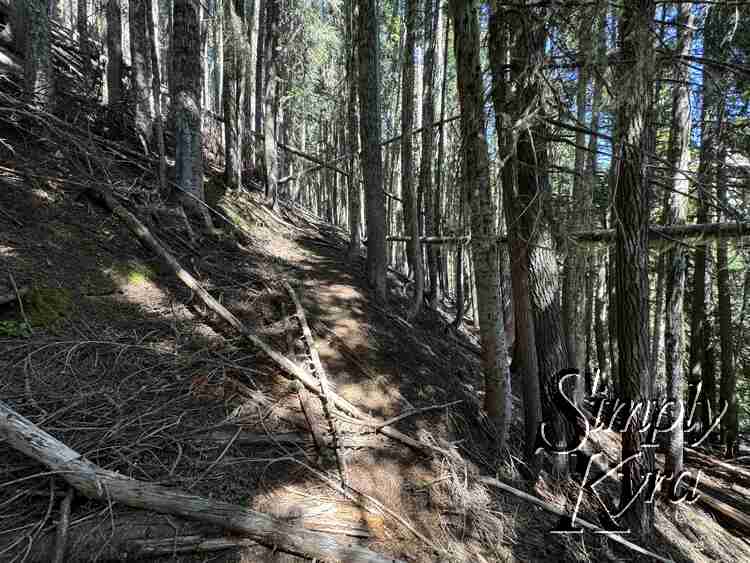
point(129, 368)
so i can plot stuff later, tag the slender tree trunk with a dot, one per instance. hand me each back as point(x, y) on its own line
point(440, 256)
point(428, 117)
point(82, 24)
point(372, 163)
point(524, 348)
point(700, 366)
point(355, 202)
point(142, 71)
point(270, 110)
point(248, 116)
point(579, 215)
point(479, 198)
point(411, 210)
point(728, 388)
point(114, 52)
point(151, 10)
point(259, 78)
point(233, 97)
point(676, 259)
point(631, 252)
point(39, 79)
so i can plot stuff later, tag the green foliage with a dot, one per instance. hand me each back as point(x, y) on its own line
point(135, 273)
point(14, 329)
point(46, 306)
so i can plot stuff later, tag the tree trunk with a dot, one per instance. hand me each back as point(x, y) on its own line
point(186, 41)
point(579, 214)
point(479, 198)
point(153, 47)
point(676, 259)
point(269, 107)
point(411, 223)
point(699, 369)
point(233, 96)
point(631, 254)
point(259, 68)
point(142, 71)
point(372, 162)
point(728, 388)
point(352, 186)
point(437, 200)
point(428, 116)
point(82, 25)
point(114, 52)
point(31, 17)
point(524, 348)
point(600, 323)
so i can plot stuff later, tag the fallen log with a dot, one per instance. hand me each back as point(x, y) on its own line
point(552, 509)
point(711, 460)
point(97, 483)
point(320, 372)
point(738, 518)
point(289, 367)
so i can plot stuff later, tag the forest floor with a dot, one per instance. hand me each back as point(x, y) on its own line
point(126, 366)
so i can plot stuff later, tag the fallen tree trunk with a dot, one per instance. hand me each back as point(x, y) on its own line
point(552, 509)
point(288, 366)
point(100, 484)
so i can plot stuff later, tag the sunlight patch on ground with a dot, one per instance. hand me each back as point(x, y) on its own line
point(8, 251)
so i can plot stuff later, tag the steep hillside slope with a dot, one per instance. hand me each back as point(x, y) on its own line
point(124, 364)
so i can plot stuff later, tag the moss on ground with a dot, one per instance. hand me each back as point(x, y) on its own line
point(134, 273)
point(44, 306)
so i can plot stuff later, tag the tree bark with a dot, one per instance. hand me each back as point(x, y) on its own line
point(430, 28)
point(153, 47)
point(186, 55)
point(579, 214)
point(479, 198)
point(354, 192)
point(233, 96)
point(631, 255)
point(270, 109)
point(372, 163)
point(114, 52)
point(142, 71)
point(259, 77)
point(31, 20)
point(524, 348)
point(676, 259)
point(728, 387)
point(410, 207)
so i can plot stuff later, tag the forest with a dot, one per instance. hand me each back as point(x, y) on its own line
point(374, 280)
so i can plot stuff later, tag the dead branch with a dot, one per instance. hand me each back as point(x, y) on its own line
point(63, 527)
point(320, 372)
point(738, 518)
point(138, 549)
point(353, 441)
point(552, 509)
point(100, 484)
point(307, 410)
point(13, 295)
point(288, 366)
point(20, 301)
point(710, 460)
